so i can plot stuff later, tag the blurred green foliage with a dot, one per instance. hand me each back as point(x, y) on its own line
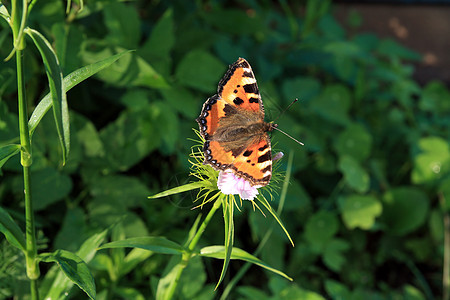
point(371, 186)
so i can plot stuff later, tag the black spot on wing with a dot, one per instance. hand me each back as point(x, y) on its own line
point(247, 153)
point(253, 100)
point(248, 74)
point(251, 88)
point(264, 157)
point(238, 101)
point(268, 168)
point(263, 147)
point(265, 178)
point(244, 63)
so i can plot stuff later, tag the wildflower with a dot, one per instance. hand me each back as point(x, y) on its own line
point(229, 184)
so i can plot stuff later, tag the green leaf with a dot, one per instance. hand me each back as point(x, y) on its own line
point(393, 49)
point(4, 13)
point(320, 228)
point(169, 279)
point(435, 98)
point(133, 136)
point(303, 88)
point(233, 21)
point(132, 70)
point(200, 70)
point(155, 244)
point(11, 230)
point(129, 293)
point(228, 217)
point(355, 176)
point(74, 268)
point(249, 292)
point(404, 210)
point(70, 81)
point(62, 284)
point(433, 162)
point(6, 152)
point(333, 103)
point(336, 290)
point(219, 252)
point(354, 141)
point(123, 24)
point(57, 91)
point(193, 279)
point(157, 48)
point(49, 186)
point(333, 256)
point(179, 189)
point(359, 211)
point(115, 188)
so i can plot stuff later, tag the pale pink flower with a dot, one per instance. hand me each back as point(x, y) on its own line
point(230, 184)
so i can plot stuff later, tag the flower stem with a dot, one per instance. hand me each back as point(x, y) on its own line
point(188, 254)
point(25, 154)
point(205, 223)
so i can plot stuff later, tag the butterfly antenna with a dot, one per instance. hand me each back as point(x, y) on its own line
point(295, 100)
point(288, 135)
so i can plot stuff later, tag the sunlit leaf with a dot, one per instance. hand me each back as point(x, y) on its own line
point(236, 253)
point(359, 211)
point(74, 268)
point(62, 284)
point(155, 244)
point(179, 189)
point(433, 162)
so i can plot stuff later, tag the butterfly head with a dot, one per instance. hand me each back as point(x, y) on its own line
point(270, 126)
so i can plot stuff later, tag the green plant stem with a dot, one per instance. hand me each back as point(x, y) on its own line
point(188, 254)
point(26, 161)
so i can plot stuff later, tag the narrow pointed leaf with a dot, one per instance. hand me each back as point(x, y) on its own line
point(57, 91)
point(69, 82)
point(179, 189)
point(155, 244)
point(6, 152)
point(74, 268)
point(11, 230)
point(236, 253)
point(62, 284)
point(228, 209)
point(4, 13)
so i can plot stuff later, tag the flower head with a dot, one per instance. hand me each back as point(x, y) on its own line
point(229, 184)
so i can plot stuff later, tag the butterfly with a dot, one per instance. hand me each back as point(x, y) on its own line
point(233, 127)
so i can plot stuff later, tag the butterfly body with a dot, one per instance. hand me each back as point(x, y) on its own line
point(232, 124)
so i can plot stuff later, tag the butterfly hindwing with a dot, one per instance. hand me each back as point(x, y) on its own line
point(255, 163)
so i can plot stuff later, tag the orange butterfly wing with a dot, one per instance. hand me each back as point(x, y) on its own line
point(232, 123)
